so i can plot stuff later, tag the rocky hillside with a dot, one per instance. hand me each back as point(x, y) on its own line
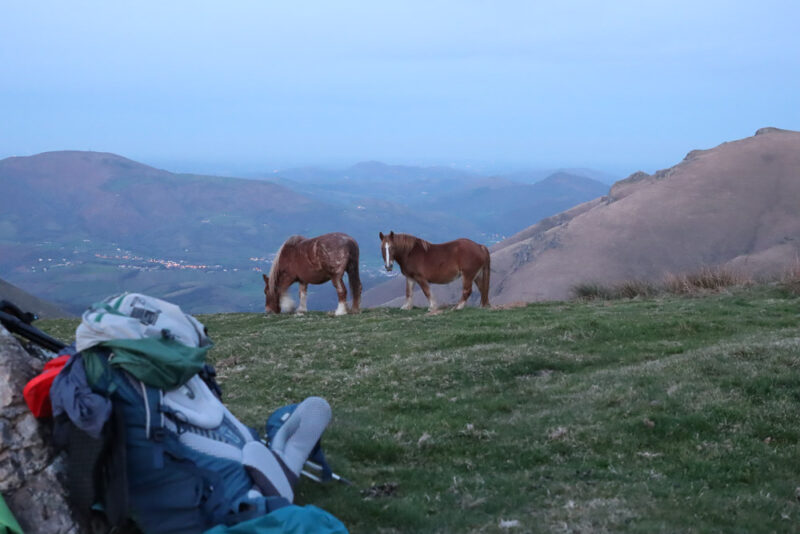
point(735, 205)
point(31, 471)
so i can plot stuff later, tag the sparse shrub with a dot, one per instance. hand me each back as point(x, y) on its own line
point(630, 289)
point(790, 280)
point(676, 284)
point(705, 280)
point(591, 291)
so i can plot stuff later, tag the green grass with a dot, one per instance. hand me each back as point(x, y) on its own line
point(665, 414)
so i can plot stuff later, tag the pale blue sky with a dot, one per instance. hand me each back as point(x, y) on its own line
point(189, 85)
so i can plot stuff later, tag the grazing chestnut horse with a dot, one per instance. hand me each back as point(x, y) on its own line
point(423, 262)
point(313, 261)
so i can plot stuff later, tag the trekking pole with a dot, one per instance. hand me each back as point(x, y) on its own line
point(315, 466)
point(310, 475)
point(30, 332)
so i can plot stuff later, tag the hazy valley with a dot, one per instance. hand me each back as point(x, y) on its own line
point(77, 226)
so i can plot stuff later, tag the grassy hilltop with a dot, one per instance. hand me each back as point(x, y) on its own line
point(666, 414)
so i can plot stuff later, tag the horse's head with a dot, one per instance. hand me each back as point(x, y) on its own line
point(271, 302)
point(387, 250)
point(274, 301)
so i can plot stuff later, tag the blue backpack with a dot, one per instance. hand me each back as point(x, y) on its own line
point(148, 439)
point(174, 487)
point(174, 461)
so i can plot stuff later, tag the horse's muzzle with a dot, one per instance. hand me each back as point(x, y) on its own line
point(389, 267)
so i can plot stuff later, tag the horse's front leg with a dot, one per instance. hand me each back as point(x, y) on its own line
point(341, 292)
point(409, 293)
point(423, 284)
point(286, 301)
point(303, 297)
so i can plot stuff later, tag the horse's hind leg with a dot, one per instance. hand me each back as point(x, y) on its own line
point(409, 293)
point(341, 292)
point(466, 291)
point(303, 297)
point(482, 279)
point(483, 289)
point(355, 286)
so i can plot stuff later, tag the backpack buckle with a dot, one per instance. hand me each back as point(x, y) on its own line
point(158, 434)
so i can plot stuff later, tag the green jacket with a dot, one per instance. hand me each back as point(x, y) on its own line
point(161, 363)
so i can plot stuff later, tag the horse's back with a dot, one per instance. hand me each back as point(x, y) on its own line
point(338, 243)
point(468, 250)
point(335, 239)
point(293, 240)
point(332, 252)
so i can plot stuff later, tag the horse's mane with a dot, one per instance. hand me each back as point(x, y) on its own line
point(405, 242)
point(273, 271)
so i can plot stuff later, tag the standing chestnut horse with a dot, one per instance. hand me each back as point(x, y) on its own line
point(313, 261)
point(423, 262)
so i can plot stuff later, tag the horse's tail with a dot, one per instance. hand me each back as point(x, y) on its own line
point(353, 277)
point(483, 281)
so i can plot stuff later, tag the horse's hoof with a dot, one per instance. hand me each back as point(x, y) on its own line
point(405, 307)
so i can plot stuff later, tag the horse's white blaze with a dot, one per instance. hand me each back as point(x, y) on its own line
point(385, 255)
point(341, 309)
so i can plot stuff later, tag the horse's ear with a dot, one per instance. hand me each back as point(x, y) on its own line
point(391, 234)
point(381, 235)
point(266, 278)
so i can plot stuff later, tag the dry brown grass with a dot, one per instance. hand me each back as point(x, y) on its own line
point(791, 279)
point(630, 289)
point(707, 279)
point(592, 291)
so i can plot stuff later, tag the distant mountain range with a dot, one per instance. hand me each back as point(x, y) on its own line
point(735, 206)
point(78, 226)
point(506, 206)
point(441, 188)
